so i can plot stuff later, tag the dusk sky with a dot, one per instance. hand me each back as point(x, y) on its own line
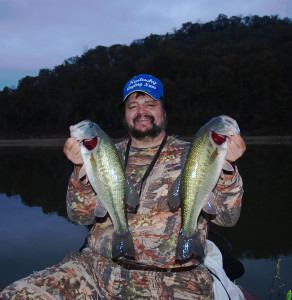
point(37, 34)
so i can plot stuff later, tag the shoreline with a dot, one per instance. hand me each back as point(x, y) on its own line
point(59, 142)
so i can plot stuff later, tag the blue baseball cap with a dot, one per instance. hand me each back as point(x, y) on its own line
point(148, 84)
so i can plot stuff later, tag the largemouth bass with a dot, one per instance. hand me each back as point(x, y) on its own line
point(107, 177)
point(200, 174)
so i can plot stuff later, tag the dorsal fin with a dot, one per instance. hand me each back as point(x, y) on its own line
point(174, 195)
point(132, 197)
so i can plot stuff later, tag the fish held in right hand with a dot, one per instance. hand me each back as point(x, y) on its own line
point(106, 174)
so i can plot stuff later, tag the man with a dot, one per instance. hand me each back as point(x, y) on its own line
point(153, 162)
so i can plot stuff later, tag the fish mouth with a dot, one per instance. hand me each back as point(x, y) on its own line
point(222, 129)
point(218, 139)
point(90, 144)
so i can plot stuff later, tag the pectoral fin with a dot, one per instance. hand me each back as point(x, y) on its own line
point(227, 166)
point(82, 172)
point(210, 206)
point(99, 210)
point(174, 195)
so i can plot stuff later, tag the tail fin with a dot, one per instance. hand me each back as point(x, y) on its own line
point(188, 247)
point(122, 245)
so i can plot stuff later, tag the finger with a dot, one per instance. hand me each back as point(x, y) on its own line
point(68, 146)
point(239, 142)
point(70, 142)
point(236, 148)
point(76, 150)
point(72, 150)
point(237, 138)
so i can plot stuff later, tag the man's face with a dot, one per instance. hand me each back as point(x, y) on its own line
point(144, 116)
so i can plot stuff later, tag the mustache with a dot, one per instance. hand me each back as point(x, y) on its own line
point(145, 116)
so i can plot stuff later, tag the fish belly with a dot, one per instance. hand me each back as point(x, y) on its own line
point(199, 178)
point(107, 179)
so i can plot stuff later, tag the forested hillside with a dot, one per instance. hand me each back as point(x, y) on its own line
point(240, 66)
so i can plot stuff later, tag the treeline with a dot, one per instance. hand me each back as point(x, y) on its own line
point(240, 66)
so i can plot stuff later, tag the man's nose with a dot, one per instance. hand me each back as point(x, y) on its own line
point(141, 109)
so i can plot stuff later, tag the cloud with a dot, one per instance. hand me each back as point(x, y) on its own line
point(37, 34)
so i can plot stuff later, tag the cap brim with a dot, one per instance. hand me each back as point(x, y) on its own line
point(142, 92)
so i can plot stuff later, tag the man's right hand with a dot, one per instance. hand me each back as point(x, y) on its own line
point(73, 151)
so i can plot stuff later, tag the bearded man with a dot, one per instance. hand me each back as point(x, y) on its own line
point(153, 160)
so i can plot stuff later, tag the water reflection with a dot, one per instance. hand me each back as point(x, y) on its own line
point(36, 233)
point(39, 176)
point(263, 228)
point(32, 240)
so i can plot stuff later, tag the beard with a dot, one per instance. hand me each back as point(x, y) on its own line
point(151, 132)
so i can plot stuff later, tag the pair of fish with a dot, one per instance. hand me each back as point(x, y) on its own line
point(105, 172)
point(193, 190)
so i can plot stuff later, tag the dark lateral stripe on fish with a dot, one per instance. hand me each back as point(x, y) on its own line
point(107, 177)
point(199, 176)
point(93, 161)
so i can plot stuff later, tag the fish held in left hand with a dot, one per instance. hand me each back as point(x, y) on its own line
point(106, 175)
point(200, 174)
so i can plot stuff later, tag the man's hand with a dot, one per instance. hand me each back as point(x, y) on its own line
point(236, 148)
point(73, 151)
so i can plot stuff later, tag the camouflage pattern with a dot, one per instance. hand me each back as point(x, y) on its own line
point(93, 275)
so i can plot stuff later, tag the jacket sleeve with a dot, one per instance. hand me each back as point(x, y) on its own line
point(228, 197)
point(80, 201)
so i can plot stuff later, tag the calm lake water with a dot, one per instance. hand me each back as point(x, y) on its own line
point(35, 232)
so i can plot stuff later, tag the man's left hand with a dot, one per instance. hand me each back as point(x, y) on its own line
point(236, 148)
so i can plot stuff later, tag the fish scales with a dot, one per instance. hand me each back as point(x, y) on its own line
point(108, 177)
point(200, 174)
point(197, 181)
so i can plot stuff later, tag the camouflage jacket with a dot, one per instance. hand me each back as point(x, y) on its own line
point(154, 227)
